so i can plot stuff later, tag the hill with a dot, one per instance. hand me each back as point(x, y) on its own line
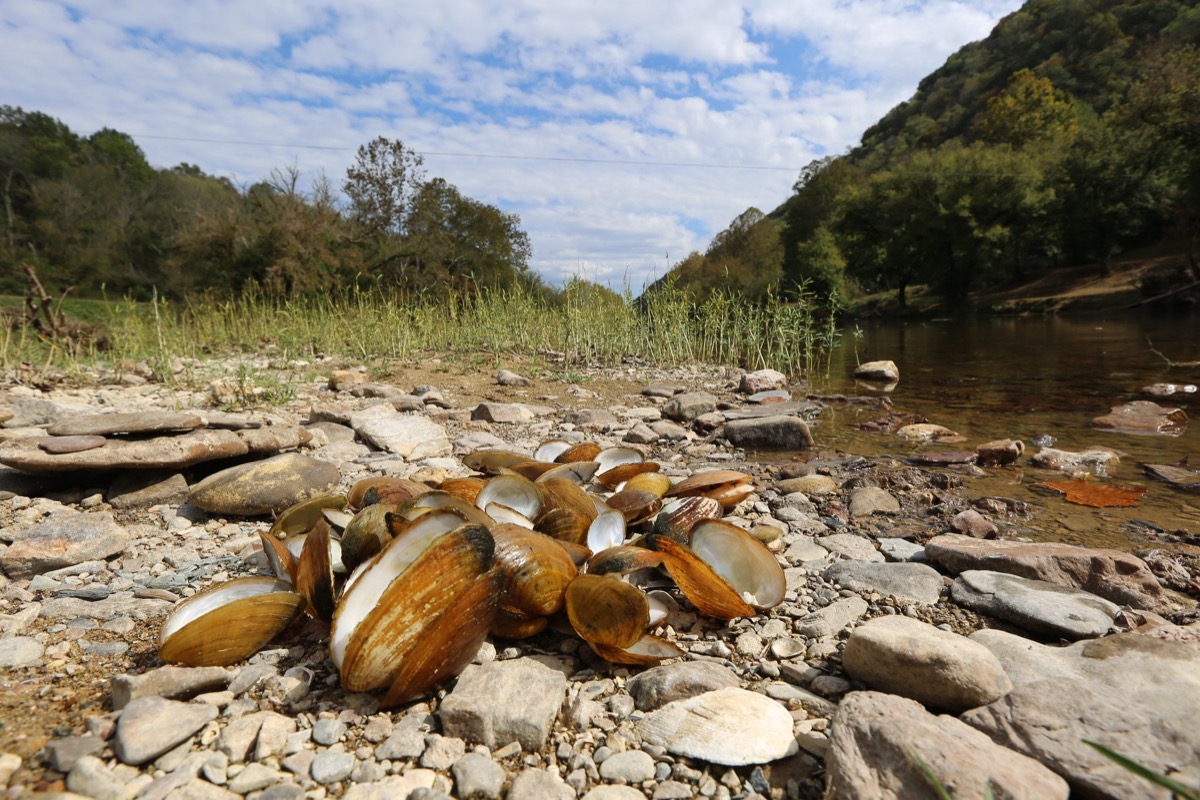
point(1064, 138)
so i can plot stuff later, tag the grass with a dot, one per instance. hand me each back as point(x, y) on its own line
point(666, 328)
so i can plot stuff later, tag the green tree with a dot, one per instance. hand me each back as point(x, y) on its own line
point(1027, 111)
point(381, 184)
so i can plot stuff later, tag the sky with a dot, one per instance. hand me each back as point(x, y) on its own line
point(624, 134)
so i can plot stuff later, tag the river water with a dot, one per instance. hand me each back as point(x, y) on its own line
point(1035, 376)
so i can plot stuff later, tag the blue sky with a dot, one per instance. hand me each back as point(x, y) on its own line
point(743, 93)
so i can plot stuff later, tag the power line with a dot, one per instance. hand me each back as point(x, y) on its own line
point(496, 156)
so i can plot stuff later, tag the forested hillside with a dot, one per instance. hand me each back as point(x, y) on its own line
point(1068, 136)
point(93, 216)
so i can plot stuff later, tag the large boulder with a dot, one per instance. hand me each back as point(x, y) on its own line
point(264, 487)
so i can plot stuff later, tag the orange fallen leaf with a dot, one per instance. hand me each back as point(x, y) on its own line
point(1097, 495)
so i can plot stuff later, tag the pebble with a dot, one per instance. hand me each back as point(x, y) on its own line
point(331, 766)
point(477, 776)
point(632, 766)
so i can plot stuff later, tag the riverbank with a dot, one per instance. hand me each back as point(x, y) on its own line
point(890, 598)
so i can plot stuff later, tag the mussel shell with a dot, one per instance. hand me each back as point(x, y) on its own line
point(622, 560)
point(616, 456)
point(743, 561)
point(700, 584)
point(551, 449)
point(654, 482)
point(678, 516)
point(282, 562)
point(466, 488)
point(584, 451)
point(579, 472)
point(493, 462)
point(636, 505)
point(314, 573)
point(370, 491)
point(366, 534)
point(727, 486)
point(514, 491)
point(304, 515)
point(623, 472)
point(532, 469)
point(512, 626)
point(607, 611)
point(563, 524)
point(228, 622)
point(645, 652)
point(504, 515)
point(404, 594)
point(607, 530)
point(535, 571)
point(443, 501)
point(565, 493)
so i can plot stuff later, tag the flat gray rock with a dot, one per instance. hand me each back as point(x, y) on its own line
point(868, 500)
point(592, 419)
point(145, 489)
point(125, 422)
point(851, 546)
point(263, 487)
point(833, 618)
point(762, 380)
point(273, 438)
point(1120, 577)
point(871, 754)
point(658, 686)
point(1143, 416)
point(729, 726)
point(169, 682)
point(502, 412)
point(1034, 605)
point(540, 784)
point(159, 452)
point(791, 408)
point(917, 582)
point(65, 538)
point(914, 659)
point(150, 726)
point(410, 436)
point(689, 405)
point(777, 432)
point(504, 701)
point(61, 445)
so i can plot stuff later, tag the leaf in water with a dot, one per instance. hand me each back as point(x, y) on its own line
point(1097, 495)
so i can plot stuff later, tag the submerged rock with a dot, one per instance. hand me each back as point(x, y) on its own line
point(1143, 416)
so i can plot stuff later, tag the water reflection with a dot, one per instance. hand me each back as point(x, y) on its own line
point(1028, 377)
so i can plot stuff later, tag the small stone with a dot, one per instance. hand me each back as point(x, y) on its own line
point(614, 792)
point(658, 686)
point(537, 784)
point(502, 412)
point(253, 778)
point(504, 701)
point(328, 731)
point(832, 619)
point(442, 751)
point(689, 405)
point(632, 766)
point(509, 378)
point(763, 380)
point(150, 726)
point(881, 371)
point(170, 682)
point(63, 753)
point(57, 445)
point(20, 651)
point(972, 523)
point(1034, 605)
point(331, 766)
point(770, 433)
point(477, 776)
point(917, 582)
point(868, 500)
point(999, 452)
point(1143, 416)
point(91, 778)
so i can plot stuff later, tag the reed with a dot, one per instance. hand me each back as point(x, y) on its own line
point(584, 328)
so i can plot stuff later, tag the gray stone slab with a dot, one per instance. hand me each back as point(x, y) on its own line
point(1034, 605)
point(909, 581)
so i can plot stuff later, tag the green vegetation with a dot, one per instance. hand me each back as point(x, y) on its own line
point(588, 325)
point(1066, 137)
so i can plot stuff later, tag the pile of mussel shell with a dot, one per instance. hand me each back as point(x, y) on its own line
point(412, 578)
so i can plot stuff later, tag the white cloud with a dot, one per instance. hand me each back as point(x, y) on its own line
point(761, 83)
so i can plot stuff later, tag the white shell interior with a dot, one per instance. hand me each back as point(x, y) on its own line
point(513, 491)
point(744, 563)
point(616, 456)
point(607, 530)
point(212, 599)
point(551, 449)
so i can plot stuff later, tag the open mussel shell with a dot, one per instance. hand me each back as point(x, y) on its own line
point(645, 652)
point(635, 504)
point(578, 472)
point(438, 500)
point(650, 481)
point(743, 561)
point(624, 472)
point(607, 530)
point(726, 486)
point(678, 516)
point(507, 516)
point(429, 592)
point(623, 560)
point(535, 571)
point(314, 573)
point(607, 611)
point(568, 494)
point(281, 559)
point(699, 582)
point(366, 533)
point(532, 469)
point(466, 488)
point(370, 491)
point(228, 622)
point(515, 492)
point(551, 449)
point(584, 451)
point(303, 516)
point(612, 457)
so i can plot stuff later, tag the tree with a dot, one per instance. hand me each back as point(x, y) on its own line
point(381, 184)
point(1028, 110)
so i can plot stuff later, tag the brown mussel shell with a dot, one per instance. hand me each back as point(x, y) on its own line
point(314, 573)
point(584, 451)
point(680, 515)
point(395, 491)
point(563, 524)
point(303, 516)
point(742, 561)
point(228, 622)
point(534, 569)
point(624, 472)
point(493, 462)
point(700, 584)
point(623, 560)
point(645, 652)
point(607, 611)
point(366, 534)
point(282, 562)
point(512, 626)
point(466, 488)
point(654, 482)
point(636, 505)
point(728, 487)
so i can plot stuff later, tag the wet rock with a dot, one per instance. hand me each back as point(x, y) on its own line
point(1176, 476)
point(916, 660)
point(1168, 389)
point(658, 686)
point(61, 445)
point(881, 371)
point(65, 538)
point(928, 432)
point(972, 523)
point(773, 397)
point(999, 452)
point(1034, 605)
point(770, 433)
point(868, 500)
point(689, 405)
point(263, 487)
point(942, 458)
point(169, 682)
point(502, 412)
point(504, 701)
point(873, 739)
point(1142, 416)
point(139, 489)
point(762, 380)
point(1111, 574)
point(729, 726)
point(1095, 460)
point(831, 619)
point(20, 651)
point(161, 452)
point(477, 776)
point(410, 436)
point(125, 422)
point(150, 726)
point(909, 581)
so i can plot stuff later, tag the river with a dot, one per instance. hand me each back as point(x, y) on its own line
point(1035, 376)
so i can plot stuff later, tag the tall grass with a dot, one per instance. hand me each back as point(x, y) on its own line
point(585, 328)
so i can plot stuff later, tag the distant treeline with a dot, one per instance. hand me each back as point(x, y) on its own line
point(93, 216)
point(1068, 136)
